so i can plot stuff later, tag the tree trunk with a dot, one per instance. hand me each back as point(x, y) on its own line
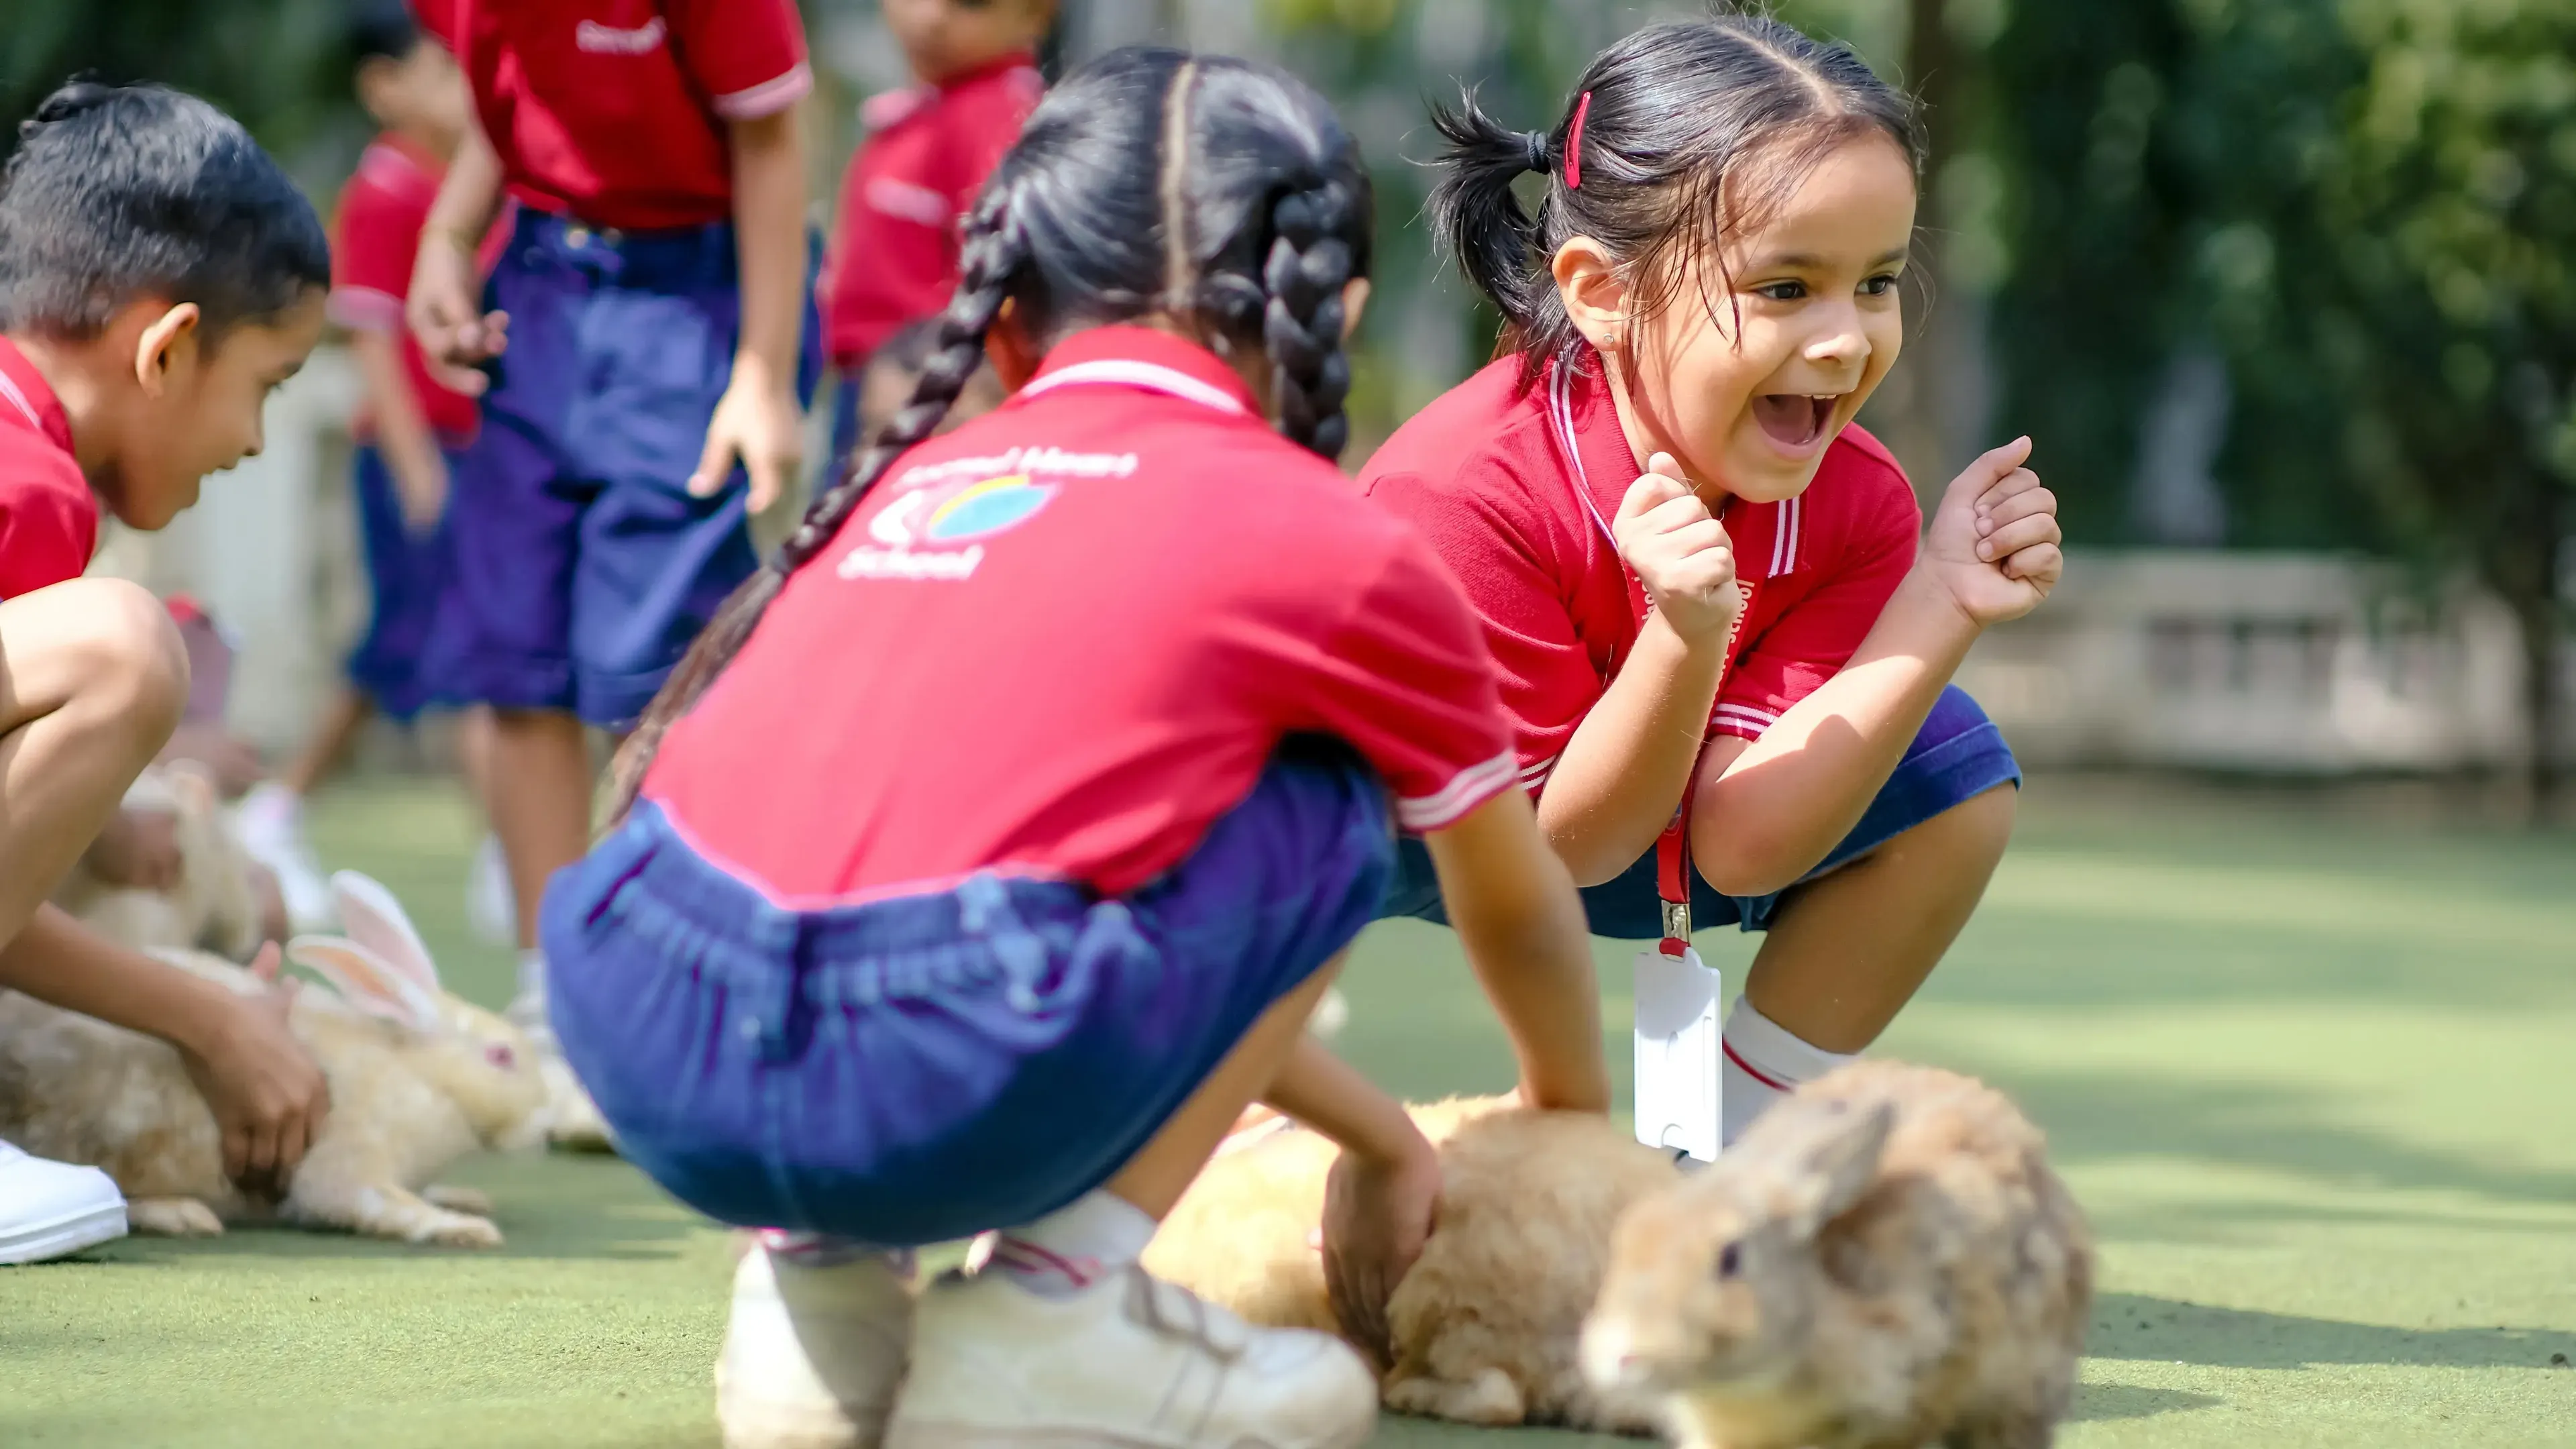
point(2526, 574)
point(1923, 400)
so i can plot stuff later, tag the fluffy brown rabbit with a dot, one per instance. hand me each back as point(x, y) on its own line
point(215, 904)
point(1485, 1327)
point(1883, 1260)
point(417, 1080)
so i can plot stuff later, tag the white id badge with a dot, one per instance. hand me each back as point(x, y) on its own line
point(1678, 1046)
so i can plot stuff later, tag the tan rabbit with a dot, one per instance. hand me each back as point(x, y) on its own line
point(1883, 1260)
point(1486, 1325)
point(417, 1080)
point(374, 919)
point(215, 905)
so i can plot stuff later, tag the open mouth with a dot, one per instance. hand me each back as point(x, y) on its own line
point(1794, 420)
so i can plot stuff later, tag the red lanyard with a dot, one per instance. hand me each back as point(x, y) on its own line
point(1672, 849)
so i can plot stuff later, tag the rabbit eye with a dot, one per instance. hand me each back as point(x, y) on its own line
point(1729, 1259)
point(500, 1055)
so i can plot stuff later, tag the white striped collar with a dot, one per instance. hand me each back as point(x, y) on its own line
point(1127, 372)
point(1787, 534)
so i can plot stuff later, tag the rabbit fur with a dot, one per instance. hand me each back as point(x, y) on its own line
point(1485, 1326)
point(213, 906)
point(373, 918)
point(418, 1078)
point(1883, 1260)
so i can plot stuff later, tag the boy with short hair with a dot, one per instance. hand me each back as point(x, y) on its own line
point(410, 429)
point(927, 152)
point(159, 277)
point(651, 343)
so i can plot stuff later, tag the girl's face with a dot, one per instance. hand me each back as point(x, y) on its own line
point(1749, 389)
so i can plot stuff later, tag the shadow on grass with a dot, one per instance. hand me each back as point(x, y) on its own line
point(2128, 1401)
point(2137, 1328)
point(2101, 1116)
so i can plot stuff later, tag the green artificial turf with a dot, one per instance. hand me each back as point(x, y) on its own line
point(2314, 1078)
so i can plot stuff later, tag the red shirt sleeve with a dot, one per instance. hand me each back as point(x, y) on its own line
point(746, 56)
point(987, 123)
point(1817, 635)
point(1406, 680)
point(46, 535)
point(371, 256)
point(438, 17)
point(1508, 565)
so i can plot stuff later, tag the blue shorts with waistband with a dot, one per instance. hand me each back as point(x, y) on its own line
point(584, 565)
point(1956, 756)
point(917, 1069)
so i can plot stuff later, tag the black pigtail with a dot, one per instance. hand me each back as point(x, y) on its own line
point(1479, 220)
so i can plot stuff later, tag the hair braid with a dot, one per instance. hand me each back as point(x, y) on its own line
point(1301, 324)
point(991, 259)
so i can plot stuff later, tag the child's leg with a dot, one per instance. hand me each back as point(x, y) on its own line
point(348, 713)
point(1850, 946)
point(538, 798)
point(93, 677)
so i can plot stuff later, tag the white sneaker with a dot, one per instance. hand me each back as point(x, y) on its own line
point(491, 904)
point(812, 1354)
point(270, 822)
point(53, 1209)
point(1131, 1362)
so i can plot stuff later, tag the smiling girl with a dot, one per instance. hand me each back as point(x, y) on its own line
point(1705, 586)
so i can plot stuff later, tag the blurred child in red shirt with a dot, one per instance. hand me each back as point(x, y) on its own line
point(411, 428)
point(928, 149)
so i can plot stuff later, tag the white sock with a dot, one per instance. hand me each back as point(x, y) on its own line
point(270, 805)
point(532, 972)
point(1763, 1064)
point(1069, 1250)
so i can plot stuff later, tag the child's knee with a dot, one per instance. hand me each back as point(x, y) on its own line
point(132, 665)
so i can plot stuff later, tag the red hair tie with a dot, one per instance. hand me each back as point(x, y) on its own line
point(1574, 144)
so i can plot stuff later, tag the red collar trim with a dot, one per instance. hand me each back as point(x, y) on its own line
point(27, 399)
point(1145, 358)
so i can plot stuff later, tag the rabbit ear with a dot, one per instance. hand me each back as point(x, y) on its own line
point(1836, 1147)
point(375, 920)
point(366, 980)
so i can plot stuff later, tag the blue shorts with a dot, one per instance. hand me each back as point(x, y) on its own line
point(845, 419)
point(919, 1069)
point(407, 585)
point(1958, 755)
point(584, 566)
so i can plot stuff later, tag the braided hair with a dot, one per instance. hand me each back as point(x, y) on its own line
point(1214, 195)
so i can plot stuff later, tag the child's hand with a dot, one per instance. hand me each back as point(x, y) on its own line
point(1680, 551)
point(757, 423)
point(268, 1096)
point(444, 310)
point(1994, 539)
point(137, 849)
point(1377, 1215)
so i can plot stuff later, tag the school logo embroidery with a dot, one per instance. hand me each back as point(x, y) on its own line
point(910, 533)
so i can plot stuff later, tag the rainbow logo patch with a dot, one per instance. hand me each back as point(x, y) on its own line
point(980, 509)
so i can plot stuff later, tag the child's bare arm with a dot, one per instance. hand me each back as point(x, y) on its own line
point(444, 304)
point(267, 1094)
point(402, 429)
point(1516, 912)
point(758, 421)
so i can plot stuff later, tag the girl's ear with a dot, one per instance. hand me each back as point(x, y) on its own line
point(1355, 295)
point(1595, 295)
point(167, 341)
point(1008, 347)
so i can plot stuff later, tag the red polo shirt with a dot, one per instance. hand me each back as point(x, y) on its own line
point(48, 515)
point(1516, 488)
point(1064, 639)
point(927, 152)
point(375, 237)
point(614, 111)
